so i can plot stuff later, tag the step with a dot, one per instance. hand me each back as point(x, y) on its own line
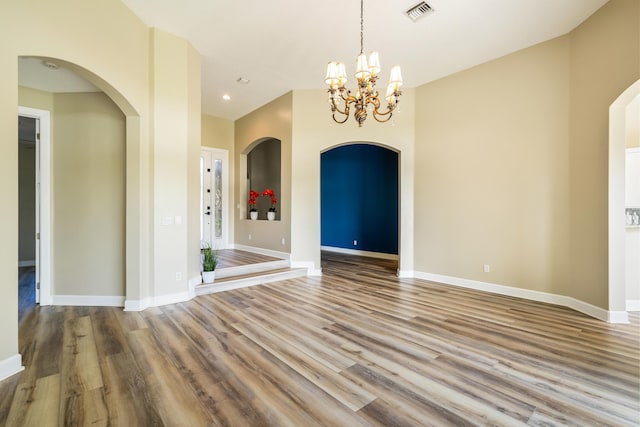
point(251, 268)
point(249, 275)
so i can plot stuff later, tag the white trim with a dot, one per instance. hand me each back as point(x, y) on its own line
point(581, 306)
point(227, 285)
point(262, 251)
point(405, 274)
point(139, 305)
point(27, 263)
point(88, 300)
point(616, 285)
point(309, 265)
point(136, 305)
point(616, 316)
point(44, 269)
point(633, 305)
point(193, 282)
point(369, 254)
point(224, 155)
point(10, 366)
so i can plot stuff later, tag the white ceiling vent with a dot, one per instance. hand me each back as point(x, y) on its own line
point(419, 10)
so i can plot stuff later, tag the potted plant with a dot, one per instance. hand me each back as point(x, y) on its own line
point(253, 196)
point(271, 214)
point(209, 263)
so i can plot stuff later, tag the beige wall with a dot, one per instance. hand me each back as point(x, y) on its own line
point(511, 160)
point(219, 133)
point(272, 120)
point(314, 132)
point(109, 41)
point(605, 60)
point(155, 81)
point(492, 185)
point(176, 144)
point(88, 191)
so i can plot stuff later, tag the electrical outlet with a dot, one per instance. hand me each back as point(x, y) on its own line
point(178, 275)
point(355, 243)
point(249, 236)
point(283, 241)
point(487, 268)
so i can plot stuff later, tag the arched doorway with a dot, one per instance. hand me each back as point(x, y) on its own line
point(617, 120)
point(359, 200)
point(108, 191)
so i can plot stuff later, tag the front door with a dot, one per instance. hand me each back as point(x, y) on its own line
point(214, 178)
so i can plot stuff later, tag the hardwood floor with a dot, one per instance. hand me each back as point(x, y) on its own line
point(355, 347)
point(235, 258)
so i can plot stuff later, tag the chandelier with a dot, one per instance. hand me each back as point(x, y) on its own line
point(366, 95)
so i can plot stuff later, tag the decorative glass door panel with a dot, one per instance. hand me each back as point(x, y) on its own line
point(214, 197)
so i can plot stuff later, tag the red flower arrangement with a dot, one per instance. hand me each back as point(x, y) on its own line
point(269, 193)
point(253, 195)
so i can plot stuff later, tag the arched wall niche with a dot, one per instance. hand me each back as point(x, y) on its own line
point(261, 167)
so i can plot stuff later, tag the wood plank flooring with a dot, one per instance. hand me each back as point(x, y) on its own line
point(235, 258)
point(356, 347)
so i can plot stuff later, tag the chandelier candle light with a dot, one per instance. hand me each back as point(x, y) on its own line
point(366, 95)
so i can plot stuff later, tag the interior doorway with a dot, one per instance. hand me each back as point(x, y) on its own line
point(27, 213)
point(34, 205)
point(617, 218)
point(359, 201)
point(214, 197)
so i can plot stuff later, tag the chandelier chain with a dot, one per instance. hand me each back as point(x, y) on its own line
point(361, 27)
point(366, 98)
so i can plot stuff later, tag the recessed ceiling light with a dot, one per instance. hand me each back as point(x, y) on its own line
point(243, 81)
point(50, 65)
point(226, 97)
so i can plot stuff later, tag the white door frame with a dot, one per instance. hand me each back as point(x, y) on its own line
point(616, 205)
point(43, 213)
point(217, 153)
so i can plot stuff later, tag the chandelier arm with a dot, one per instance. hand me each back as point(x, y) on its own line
point(346, 117)
point(388, 115)
point(334, 107)
point(374, 100)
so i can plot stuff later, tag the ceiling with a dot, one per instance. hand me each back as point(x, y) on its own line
point(282, 45)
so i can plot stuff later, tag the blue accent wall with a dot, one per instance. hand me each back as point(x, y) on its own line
point(359, 198)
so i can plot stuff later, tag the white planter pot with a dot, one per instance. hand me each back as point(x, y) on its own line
point(271, 216)
point(208, 276)
point(253, 215)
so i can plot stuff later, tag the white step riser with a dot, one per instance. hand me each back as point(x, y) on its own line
point(251, 268)
point(249, 281)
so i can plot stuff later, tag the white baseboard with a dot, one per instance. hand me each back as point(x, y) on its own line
point(369, 254)
point(581, 306)
point(88, 300)
point(633, 305)
point(139, 305)
point(309, 265)
point(262, 251)
point(193, 282)
point(27, 263)
point(10, 366)
point(406, 274)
